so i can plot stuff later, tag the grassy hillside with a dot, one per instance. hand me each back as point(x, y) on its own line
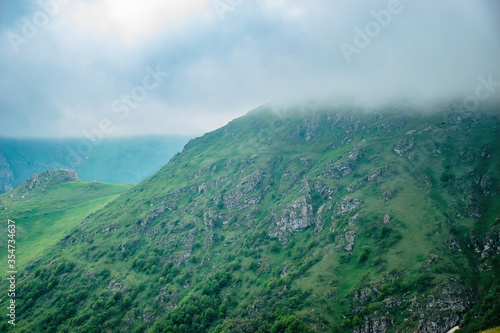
point(325, 220)
point(49, 211)
point(130, 159)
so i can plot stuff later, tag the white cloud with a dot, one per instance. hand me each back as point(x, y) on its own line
point(96, 50)
point(130, 20)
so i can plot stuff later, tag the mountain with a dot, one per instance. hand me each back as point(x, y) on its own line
point(290, 220)
point(131, 159)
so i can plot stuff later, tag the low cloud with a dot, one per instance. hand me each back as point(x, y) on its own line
point(224, 61)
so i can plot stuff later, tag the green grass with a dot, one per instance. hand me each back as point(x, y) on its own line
point(43, 218)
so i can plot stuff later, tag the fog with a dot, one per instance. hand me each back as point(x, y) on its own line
point(184, 68)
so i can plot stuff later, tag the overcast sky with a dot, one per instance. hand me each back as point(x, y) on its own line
point(186, 67)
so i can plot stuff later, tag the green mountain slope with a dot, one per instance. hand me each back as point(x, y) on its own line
point(48, 206)
point(130, 159)
point(323, 220)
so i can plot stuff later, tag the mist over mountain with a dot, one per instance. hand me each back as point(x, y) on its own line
point(287, 220)
point(205, 63)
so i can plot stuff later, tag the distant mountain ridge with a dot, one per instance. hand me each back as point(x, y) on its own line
point(131, 159)
point(290, 220)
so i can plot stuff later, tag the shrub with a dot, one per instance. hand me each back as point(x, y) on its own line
point(253, 265)
point(61, 267)
point(363, 257)
point(364, 254)
point(289, 324)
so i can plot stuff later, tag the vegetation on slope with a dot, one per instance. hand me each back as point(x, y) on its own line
point(329, 220)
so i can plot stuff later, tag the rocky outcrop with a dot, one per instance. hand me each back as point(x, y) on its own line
point(376, 175)
point(403, 146)
point(319, 220)
point(241, 196)
point(48, 178)
point(349, 237)
point(153, 214)
point(323, 190)
point(474, 209)
point(346, 167)
point(374, 325)
point(172, 199)
point(454, 244)
point(295, 217)
point(452, 296)
point(442, 324)
point(491, 243)
point(309, 128)
point(209, 219)
point(347, 205)
point(437, 311)
point(389, 127)
point(345, 126)
point(353, 219)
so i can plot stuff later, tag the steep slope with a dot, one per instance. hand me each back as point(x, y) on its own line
point(324, 220)
point(132, 159)
point(48, 206)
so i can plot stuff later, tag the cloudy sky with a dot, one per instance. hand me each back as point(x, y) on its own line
point(130, 67)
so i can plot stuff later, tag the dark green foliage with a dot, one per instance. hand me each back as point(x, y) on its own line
point(214, 285)
point(345, 258)
point(253, 265)
point(61, 267)
point(195, 314)
point(365, 252)
point(420, 284)
point(484, 315)
point(447, 177)
point(289, 324)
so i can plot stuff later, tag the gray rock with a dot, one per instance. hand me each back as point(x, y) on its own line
point(349, 236)
point(345, 167)
point(295, 217)
point(319, 220)
point(403, 146)
point(442, 324)
point(239, 197)
point(323, 190)
point(347, 205)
